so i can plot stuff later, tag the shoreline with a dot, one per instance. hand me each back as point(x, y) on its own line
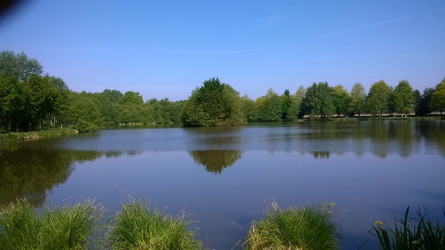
point(36, 135)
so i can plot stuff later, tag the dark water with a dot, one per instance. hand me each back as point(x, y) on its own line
point(224, 176)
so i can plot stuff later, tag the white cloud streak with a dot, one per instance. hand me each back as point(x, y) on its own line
point(378, 24)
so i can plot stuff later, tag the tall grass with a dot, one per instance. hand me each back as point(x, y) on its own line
point(295, 228)
point(69, 227)
point(136, 227)
point(423, 234)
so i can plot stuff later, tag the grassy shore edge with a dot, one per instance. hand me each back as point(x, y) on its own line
point(36, 135)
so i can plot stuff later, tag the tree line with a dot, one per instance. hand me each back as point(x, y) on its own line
point(31, 100)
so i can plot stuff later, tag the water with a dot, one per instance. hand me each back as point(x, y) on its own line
point(224, 177)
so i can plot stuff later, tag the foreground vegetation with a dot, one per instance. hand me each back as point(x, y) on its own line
point(138, 227)
point(295, 228)
point(69, 227)
point(422, 234)
point(31, 100)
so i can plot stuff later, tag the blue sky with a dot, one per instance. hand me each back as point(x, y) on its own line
point(167, 48)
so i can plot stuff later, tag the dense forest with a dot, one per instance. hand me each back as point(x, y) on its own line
point(31, 100)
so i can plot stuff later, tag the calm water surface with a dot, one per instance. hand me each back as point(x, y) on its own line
point(225, 176)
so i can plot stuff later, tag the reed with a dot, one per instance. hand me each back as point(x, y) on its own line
point(295, 228)
point(421, 234)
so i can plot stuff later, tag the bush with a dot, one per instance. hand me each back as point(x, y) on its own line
point(295, 228)
point(68, 227)
point(136, 227)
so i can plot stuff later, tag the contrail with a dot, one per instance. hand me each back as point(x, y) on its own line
point(377, 24)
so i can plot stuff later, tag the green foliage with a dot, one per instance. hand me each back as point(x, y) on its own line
point(295, 228)
point(84, 114)
point(269, 107)
point(424, 234)
point(358, 97)
point(112, 95)
point(424, 107)
point(30, 102)
point(213, 104)
point(60, 228)
point(340, 99)
point(18, 66)
point(377, 100)
point(249, 110)
point(318, 100)
point(298, 98)
point(403, 97)
point(136, 227)
point(438, 97)
point(290, 107)
point(131, 98)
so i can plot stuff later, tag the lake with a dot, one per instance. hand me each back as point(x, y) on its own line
point(225, 176)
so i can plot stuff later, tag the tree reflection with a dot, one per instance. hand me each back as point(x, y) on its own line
point(380, 138)
point(29, 172)
point(215, 160)
point(320, 154)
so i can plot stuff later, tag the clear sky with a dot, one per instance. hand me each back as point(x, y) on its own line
point(167, 48)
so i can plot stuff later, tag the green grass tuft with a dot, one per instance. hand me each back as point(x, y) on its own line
point(68, 227)
point(295, 228)
point(423, 234)
point(136, 227)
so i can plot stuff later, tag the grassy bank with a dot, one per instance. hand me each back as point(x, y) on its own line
point(76, 227)
point(137, 227)
point(35, 135)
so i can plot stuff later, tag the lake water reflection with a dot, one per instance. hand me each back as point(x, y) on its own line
point(224, 175)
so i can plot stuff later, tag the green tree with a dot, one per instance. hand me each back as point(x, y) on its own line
point(60, 103)
point(378, 96)
point(213, 104)
point(10, 102)
point(318, 100)
point(131, 98)
point(84, 113)
point(417, 101)
point(270, 110)
point(424, 105)
point(358, 97)
point(340, 99)
point(19, 66)
point(438, 97)
point(403, 97)
point(289, 106)
point(298, 98)
point(248, 107)
point(40, 100)
point(112, 95)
